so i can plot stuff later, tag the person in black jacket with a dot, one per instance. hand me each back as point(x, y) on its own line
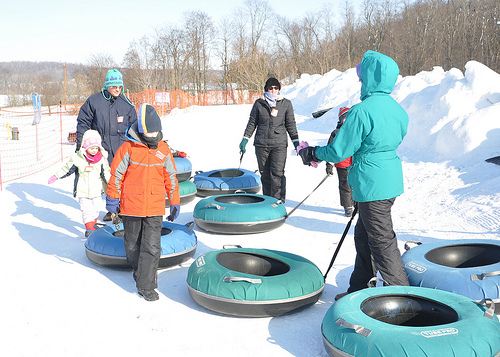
point(110, 113)
point(272, 118)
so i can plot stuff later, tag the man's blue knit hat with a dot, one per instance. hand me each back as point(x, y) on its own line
point(113, 78)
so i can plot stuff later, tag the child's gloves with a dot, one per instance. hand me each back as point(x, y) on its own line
point(52, 179)
point(181, 154)
point(112, 204)
point(174, 212)
point(329, 169)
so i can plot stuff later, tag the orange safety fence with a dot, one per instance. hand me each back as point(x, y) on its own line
point(164, 102)
point(28, 146)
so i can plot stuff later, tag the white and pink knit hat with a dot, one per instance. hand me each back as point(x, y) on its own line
point(91, 138)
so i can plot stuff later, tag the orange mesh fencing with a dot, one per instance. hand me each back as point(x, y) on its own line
point(27, 148)
point(164, 102)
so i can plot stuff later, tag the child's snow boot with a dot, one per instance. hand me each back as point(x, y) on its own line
point(89, 227)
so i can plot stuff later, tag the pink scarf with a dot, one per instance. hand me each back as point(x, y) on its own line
point(93, 159)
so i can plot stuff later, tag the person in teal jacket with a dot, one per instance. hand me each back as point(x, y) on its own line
point(371, 134)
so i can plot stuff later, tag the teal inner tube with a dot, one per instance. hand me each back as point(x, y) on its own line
point(397, 321)
point(254, 282)
point(105, 245)
point(471, 267)
point(239, 213)
point(184, 168)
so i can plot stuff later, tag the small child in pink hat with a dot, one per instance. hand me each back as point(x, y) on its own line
point(90, 165)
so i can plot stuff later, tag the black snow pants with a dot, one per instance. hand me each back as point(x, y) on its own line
point(344, 188)
point(143, 248)
point(271, 163)
point(376, 247)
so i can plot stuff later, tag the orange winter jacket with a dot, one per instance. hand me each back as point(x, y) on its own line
point(142, 178)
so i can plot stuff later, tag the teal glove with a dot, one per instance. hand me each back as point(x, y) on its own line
point(243, 143)
point(296, 143)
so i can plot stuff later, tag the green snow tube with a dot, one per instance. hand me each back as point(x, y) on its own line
point(396, 321)
point(239, 213)
point(187, 192)
point(254, 282)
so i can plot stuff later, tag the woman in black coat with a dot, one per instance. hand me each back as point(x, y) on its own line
point(272, 119)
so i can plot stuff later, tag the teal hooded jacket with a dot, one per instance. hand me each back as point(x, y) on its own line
point(371, 134)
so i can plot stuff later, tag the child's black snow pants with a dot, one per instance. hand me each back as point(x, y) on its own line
point(344, 188)
point(143, 247)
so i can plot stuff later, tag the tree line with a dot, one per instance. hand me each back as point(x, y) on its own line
point(243, 50)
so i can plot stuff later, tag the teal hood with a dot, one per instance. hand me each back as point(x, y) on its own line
point(372, 133)
point(379, 74)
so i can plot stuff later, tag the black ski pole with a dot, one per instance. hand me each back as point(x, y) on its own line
point(341, 240)
point(293, 210)
point(319, 113)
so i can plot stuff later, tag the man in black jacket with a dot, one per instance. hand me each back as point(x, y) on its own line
point(272, 118)
point(110, 113)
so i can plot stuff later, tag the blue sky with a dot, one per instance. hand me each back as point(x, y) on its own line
point(71, 31)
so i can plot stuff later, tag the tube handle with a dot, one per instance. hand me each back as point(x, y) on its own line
point(477, 277)
point(211, 204)
point(490, 311)
point(407, 244)
point(232, 279)
point(363, 331)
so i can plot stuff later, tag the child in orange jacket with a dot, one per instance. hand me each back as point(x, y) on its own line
point(143, 173)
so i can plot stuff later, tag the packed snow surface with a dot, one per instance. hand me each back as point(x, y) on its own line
point(56, 302)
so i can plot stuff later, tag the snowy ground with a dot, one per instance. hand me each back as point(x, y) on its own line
point(56, 302)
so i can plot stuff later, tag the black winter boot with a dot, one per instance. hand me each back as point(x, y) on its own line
point(148, 294)
point(107, 217)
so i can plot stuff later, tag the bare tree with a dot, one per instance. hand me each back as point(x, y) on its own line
point(139, 64)
point(258, 12)
point(223, 46)
point(245, 50)
point(347, 34)
point(172, 56)
point(199, 36)
point(95, 71)
point(249, 67)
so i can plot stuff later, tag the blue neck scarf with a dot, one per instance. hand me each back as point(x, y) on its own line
point(271, 98)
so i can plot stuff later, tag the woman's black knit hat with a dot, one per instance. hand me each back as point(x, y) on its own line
point(272, 82)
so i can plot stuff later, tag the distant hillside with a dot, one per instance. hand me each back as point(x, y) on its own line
point(17, 77)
